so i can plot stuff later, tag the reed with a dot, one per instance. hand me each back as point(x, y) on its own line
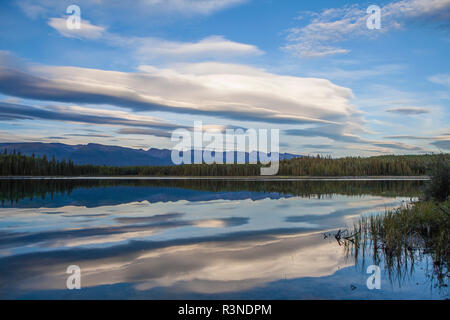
point(400, 237)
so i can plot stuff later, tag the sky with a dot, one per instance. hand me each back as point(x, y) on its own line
point(136, 71)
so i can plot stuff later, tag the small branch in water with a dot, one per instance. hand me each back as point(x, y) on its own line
point(343, 235)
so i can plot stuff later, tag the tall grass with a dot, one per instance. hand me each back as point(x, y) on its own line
point(400, 236)
point(415, 231)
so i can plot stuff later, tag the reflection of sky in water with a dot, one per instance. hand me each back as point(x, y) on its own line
point(68, 226)
point(232, 246)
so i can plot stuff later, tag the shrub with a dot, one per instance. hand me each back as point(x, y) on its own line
point(438, 186)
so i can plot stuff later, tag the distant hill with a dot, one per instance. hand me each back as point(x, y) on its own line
point(98, 154)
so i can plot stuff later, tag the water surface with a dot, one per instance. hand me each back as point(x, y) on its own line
point(189, 239)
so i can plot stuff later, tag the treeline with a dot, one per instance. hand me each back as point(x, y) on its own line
point(410, 165)
point(16, 164)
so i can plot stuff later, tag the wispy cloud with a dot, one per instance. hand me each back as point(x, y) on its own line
point(318, 146)
point(151, 49)
point(213, 47)
point(442, 79)
point(408, 110)
point(410, 137)
point(442, 144)
point(190, 6)
point(332, 26)
point(94, 135)
point(10, 111)
point(34, 9)
point(358, 74)
point(86, 30)
point(341, 133)
point(149, 132)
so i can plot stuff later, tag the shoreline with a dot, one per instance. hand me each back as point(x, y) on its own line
point(234, 178)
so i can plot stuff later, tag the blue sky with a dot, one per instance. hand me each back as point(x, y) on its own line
point(134, 73)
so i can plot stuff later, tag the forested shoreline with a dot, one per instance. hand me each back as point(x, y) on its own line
point(14, 190)
point(16, 164)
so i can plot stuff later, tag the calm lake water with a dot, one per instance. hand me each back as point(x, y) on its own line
point(192, 239)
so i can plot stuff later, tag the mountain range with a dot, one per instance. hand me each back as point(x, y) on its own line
point(98, 154)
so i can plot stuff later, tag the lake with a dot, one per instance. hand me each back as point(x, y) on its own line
point(198, 239)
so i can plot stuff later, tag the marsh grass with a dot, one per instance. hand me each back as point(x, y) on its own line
point(415, 231)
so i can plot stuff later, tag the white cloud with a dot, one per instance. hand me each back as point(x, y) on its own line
point(86, 30)
point(331, 26)
point(442, 79)
point(223, 90)
point(151, 49)
point(216, 47)
point(312, 107)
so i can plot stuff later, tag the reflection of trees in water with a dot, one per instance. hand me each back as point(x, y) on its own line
point(399, 241)
point(15, 190)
